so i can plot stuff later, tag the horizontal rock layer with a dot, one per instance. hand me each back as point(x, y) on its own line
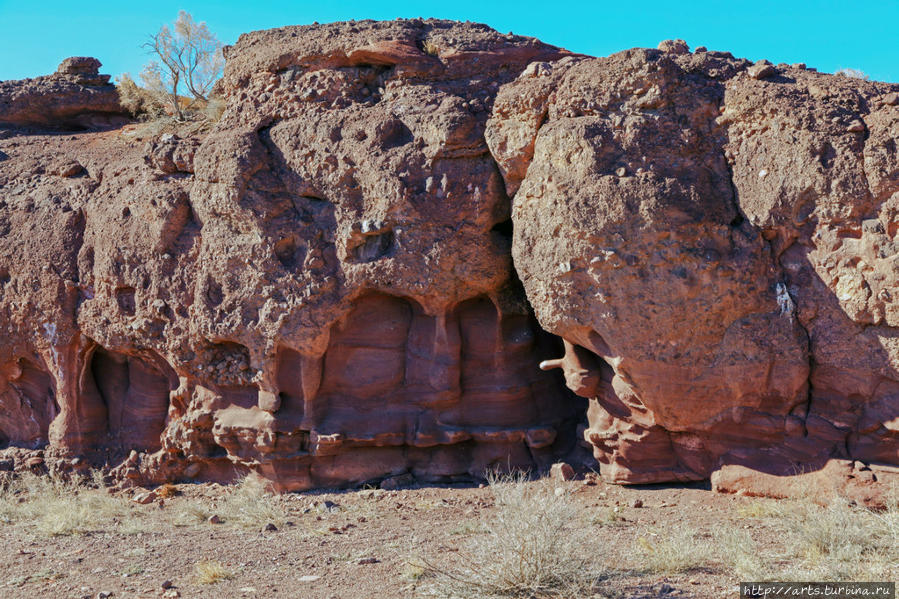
point(356, 272)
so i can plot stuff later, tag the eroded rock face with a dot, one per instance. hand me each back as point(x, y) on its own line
point(75, 96)
point(327, 287)
point(320, 289)
point(720, 242)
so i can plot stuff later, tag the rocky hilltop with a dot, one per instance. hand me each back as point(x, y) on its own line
point(356, 273)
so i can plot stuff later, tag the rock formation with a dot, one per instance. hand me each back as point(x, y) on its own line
point(355, 274)
point(76, 96)
point(720, 238)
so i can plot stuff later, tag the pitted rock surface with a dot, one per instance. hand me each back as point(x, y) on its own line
point(354, 275)
point(721, 244)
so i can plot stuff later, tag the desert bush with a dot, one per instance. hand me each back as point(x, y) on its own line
point(532, 546)
point(852, 74)
point(138, 101)
point(188, 54)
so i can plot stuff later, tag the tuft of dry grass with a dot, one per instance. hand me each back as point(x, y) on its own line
point(211, 572)
point(430, 48)
point(532, 546)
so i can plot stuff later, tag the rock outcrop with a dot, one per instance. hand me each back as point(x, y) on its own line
point(719, 240)
point(76, 96)
point(354, 275)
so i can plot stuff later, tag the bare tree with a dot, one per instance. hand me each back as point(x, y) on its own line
point(188, 54)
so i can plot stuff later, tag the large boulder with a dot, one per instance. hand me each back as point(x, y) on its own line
point(722, 243)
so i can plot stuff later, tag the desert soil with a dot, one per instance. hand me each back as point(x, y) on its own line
point(357, 543)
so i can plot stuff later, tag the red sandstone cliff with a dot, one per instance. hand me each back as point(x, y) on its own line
point(327, 287)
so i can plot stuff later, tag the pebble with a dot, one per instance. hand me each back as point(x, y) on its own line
point(369, 560)
point(167, 584)
point(856, 126)
point(309, 578)
point(271, 527)
point(560, 471)
point(637, 503)
point(891, 99)
point(559, 491)
point(214, 519)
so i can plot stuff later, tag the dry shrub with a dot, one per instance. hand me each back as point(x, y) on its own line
point(211, 572)
point(531, 547)
point(138, 101)
point(53, 506)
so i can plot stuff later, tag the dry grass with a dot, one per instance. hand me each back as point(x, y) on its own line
point(837, 542)
point(52, 506)
point(673, 551)
point(211, 572)
point(532, 547)
point(430, 48)
point(249, 504)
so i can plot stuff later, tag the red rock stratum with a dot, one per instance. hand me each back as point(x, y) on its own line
point(356, 273)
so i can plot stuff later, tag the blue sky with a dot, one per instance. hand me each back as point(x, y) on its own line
point(36, 36)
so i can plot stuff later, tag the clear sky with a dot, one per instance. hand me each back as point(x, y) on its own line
point(35, 35)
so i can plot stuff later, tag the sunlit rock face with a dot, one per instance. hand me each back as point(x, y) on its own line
point(320, 288)
point(719, 243)
point(356, 271)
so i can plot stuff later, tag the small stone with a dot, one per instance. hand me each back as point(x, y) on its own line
point(104, 594)
point(171, 594)
point(167, 584)
point(368, 560)
point(144, 497)
point(7, 465)
point(856, 126)
point(559, 491)
point(270, 527)
point(34, 462)
point(891, 99)
point(674, 47)
point(561, 471)
point(621, 171)
point(637, 503)
point(762, 70)
point(214, 519)
point(309, 578)
point(666, 589)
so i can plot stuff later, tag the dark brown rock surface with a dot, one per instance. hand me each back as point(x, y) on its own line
point(322, 288)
